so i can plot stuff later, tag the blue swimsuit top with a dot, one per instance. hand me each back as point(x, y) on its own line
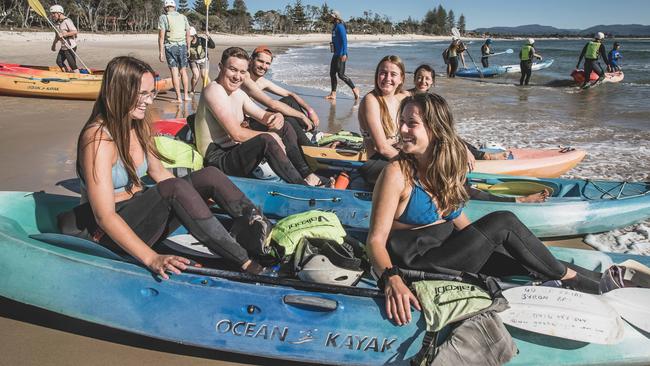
point(420, 210)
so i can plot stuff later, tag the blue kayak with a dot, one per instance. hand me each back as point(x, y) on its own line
point(576, 206)
point(487, 72)
point(228, 311)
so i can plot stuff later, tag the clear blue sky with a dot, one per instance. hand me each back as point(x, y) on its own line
point(558, 13)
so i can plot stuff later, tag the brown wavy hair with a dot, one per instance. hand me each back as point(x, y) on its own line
point(118, 96)
point(446, 172)
point(387, 122)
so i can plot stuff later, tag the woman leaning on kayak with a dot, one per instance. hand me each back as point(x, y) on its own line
point(378, 116)
point(115, 150)
point(417, 220)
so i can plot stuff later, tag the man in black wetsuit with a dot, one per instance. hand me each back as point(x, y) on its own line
point(591, 51)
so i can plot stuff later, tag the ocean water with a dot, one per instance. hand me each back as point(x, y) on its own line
point(611, 122)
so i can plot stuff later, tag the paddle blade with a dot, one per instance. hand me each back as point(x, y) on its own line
point(562, 313)
point(509, 50)
point(632, 304)
point(519, 188)
point(37, 7)
point(207, 3)
point(455, 32)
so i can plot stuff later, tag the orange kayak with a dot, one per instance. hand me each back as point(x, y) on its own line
point(50, 82)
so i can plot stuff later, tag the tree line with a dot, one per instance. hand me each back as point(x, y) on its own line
point(224, 16)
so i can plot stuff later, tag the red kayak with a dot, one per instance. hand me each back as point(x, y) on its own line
point(610, 77)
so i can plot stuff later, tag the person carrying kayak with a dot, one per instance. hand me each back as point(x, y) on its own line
point(378, 117)
point(486, 51)
point(298, 113)
point(613, 57)
point(424, 78)
point(455, 50)
point(198, 59)
point(115, 150)
point(526, 56)
point(591, 51)
point(235, 145)
point(67, 36)
point(339, 47)
point(173, 40)
point(417, 220)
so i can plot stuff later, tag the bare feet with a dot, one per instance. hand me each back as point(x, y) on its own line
point(356, 93)
point(331, 96)
point(188, 98)
point(534, 198)
point(176, 101)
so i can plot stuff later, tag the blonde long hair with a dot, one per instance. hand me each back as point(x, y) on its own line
point(446, 172)
point(118, 96)
point(387, 122)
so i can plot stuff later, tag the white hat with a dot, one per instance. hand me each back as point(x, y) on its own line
point(56, 9)
point(192, 31)
point(169, 3)
point(599, 35)
point(531, 41)
point(336, 15)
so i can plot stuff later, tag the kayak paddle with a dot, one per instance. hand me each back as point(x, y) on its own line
point(632, 303)
point(515, 188)
point(563, 313)
point(508, 51)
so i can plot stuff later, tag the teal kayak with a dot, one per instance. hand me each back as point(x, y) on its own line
point(576, 206)
point(278, 318)
point(486, 72)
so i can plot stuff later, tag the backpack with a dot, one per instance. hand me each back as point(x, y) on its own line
point(185, 159)
point(288, 232)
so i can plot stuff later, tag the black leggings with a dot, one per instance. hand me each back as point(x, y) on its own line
point(485, 61)
point(526, 71)
point(157, 211)
point(592, 65)
point(496, 244)
point(337, 67)
point(242, 159)
point(295, 123)
point(66, 55)
point(371, 169)
point(453, 63)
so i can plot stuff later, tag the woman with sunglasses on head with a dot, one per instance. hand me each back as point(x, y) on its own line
point(115, 150)
point(417, 220)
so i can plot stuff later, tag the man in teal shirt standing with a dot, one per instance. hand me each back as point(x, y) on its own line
point(339, 46)
point(173, 40)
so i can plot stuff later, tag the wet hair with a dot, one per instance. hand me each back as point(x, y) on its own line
point(446, 172)
point(426, 67)
point(237, 52)
point(387, 122)
point(118, 96)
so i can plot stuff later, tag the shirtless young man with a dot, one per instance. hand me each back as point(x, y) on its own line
point(300, 115)
point(235, 149)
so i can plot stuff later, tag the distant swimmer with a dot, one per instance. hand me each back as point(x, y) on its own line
point(300, 115)
point(173, 40)
point(455, 50)
point(67, 36)
point(526, 56)
point(424, 79)
point(486, 51)
point(199, 56)
point(339, 46)
point(590, 52)
point(614, 56)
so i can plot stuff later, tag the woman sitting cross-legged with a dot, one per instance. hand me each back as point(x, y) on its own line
point(417, 220)
point(115, 150)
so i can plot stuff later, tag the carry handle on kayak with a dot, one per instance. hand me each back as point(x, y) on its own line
point(311, 302)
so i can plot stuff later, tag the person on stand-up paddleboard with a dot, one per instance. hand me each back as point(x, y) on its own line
point(591, 51)
point(173, 40)
point(69, 32)
point(339, 46)
point(526, 56)
point(417, 220)
point(614, 56)
point(486, 51)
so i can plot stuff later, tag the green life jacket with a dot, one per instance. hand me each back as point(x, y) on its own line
point(197, 50)
point(345, 136)
point(185, 158)
point(592, 50)
point(311, 224)
point(445, 302)
point(176, 31)
point(526, 52)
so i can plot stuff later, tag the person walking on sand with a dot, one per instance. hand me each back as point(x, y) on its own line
point(173, 40)
point(199, 56)
point(590, 52)
point(339, 46)
point(67, 35)
point(526, 56)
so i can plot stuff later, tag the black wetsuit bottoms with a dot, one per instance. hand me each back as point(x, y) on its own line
point(592, 65)
point(241, 159)
point(485, 61)
point(295, 123)
point(157, 211)
point(371, 169)
point(67, 55)
point(453, 63)
point(526, 71)
point(337, 67)
point(497, 244)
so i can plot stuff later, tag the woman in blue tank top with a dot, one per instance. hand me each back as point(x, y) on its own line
point(417, 220)
point(115, 150)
